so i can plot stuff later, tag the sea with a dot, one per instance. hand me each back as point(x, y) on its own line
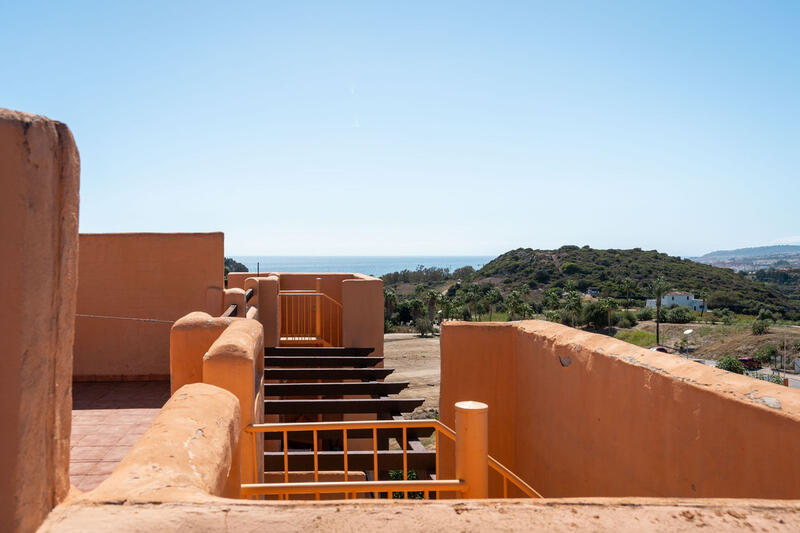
point(370, 265)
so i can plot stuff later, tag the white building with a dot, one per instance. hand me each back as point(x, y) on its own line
point(679, 298)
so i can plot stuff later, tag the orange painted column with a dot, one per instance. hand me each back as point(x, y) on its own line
point(235, 296)
point(39, 172)
point(267, 301)
point(235, 362)
point(472, 448)
point(189, 340)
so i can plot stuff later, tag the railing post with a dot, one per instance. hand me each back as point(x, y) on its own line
point(472, 448)
point(318, 306)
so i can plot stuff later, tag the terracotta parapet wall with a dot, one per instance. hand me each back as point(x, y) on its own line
point(132, 287)
point(39, 172)
point(235, 362)
point(190, 338)
point(581, 414)
point(188, 453)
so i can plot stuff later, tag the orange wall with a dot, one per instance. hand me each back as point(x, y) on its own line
point(578, 414)
point(39, 172)
point(157, 276)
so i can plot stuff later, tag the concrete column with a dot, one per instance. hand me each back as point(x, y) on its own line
point(235, 362)
point(269, 308)
point(472, 448)
point(39, 173)
point(362, 313)
point(189, 339)
point(235, 296)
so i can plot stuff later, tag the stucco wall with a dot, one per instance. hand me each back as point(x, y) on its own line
point(158, 277)
point(578, 414)
point(39, 172)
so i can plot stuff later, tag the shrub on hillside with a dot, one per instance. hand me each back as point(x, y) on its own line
point(731, 364)
point(594, 315)
point(645, 313)
point(388, 327)
point(759, 327)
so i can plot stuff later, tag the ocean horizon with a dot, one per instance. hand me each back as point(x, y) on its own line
point(370, 265)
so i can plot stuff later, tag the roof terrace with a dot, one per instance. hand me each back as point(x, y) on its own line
point(277, 392)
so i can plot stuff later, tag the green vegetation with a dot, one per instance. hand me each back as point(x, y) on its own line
point(731, 364)
point(637, 337)
point(608, 270)
point(759, 327)
point(233, 266)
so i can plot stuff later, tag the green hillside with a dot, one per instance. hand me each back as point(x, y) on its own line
point(532, 270)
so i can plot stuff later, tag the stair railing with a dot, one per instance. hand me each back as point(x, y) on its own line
point(310, 317)
point(349, 488)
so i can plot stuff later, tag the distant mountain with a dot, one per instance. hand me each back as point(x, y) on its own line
point(759, 252)
point(534, 270)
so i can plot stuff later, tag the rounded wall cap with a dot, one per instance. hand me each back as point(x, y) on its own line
point(469, 405)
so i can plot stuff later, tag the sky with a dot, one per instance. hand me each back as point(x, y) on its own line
point(423, 128)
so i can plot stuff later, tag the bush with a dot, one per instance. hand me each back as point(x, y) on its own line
point(731, 364)
point(766, 353)
point(759, 327)
point(594, 315)
point(678, 315)
point(624, 319)
point(725, 316)
point(766, 314)
point(551, 315)
point(388, 327)
point(645, 313)
point(423, 326)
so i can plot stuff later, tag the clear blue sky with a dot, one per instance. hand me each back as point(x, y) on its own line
point(423, 127)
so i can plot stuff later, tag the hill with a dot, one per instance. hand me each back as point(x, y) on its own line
point(535, 270)
point(759, 252)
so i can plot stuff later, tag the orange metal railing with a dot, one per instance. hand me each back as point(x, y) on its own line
point(310, 317)
point(351, 488)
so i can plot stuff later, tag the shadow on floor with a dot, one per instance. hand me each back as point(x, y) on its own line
point(120, 395)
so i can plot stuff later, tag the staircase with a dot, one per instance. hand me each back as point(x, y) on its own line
point(316, 383)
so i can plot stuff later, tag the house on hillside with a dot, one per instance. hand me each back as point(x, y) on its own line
point(594, 292)
point(679, 298)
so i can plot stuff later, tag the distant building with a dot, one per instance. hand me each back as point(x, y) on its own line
point(679, 298)
point(594, 292)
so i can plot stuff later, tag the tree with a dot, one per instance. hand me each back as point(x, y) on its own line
point(493, 296)
point(573, 304)
point(658, 288)
point(609, 305)
point(471, 295)
point(703, 295)
point(431, 297)
point(514, 304)
point(628, 286)
point(551, 299)
point(389, 303)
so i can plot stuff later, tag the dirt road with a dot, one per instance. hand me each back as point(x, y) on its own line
point(415, 359)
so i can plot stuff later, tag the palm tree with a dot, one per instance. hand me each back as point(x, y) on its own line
point(628, 285)
point(493, 296)
point(514, 304)
point(431, 297)
point(389, 303)
point(703, 294)
point(608, 305)
point(658, 288)
point(573, 304)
